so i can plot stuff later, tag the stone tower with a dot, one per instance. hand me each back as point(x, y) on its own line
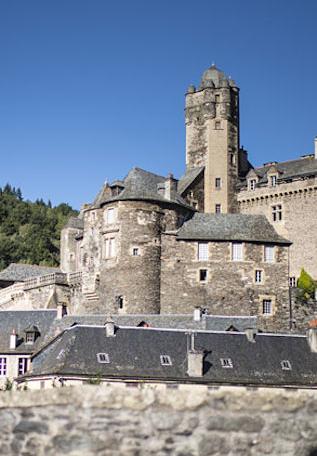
point(212, 137)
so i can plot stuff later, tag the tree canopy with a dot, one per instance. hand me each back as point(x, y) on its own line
point(30, 231)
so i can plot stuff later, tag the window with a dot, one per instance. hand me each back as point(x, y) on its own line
point(286, 365)
point(217, 98)
point(269, 253)
point(292, 282)
point(165, 360)
point(120, 302)
point(277, 213)
point(203, 275)
point(202, 251)
point(232, 159)
point(110, 248)
point(218, 208)
point(135, 251)
point(217, 125)
point(267, 306)
point(3, 366)
point(258, 276)
point(29, 337)
point(218, 182)
point(252, 184)
point(22, 365)
point(226, 363)
point(273, 180)
point(237, 251)
point(103, 358)
point(110, 215)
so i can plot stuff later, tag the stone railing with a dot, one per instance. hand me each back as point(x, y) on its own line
point(47, 279)
point(9, 293)
point(74, 278)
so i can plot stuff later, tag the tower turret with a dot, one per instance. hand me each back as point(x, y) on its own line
point(212, 137)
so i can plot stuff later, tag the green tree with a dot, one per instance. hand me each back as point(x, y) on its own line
point(306, 284)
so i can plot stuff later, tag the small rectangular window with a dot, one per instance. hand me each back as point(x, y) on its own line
point(217, 125)
point(22, 365)
point(237, 251)
point(269, 253)
point(202, 251)
point(226, 363)
point(218, 182)
point(165, 360)
point(218, 208)
point(277, 213)
point(267, 307)
point(203, 273)
point(258, 276)
point(217, 98)
point(110, 215)
point(252, 184)
point(135, 251)
point(120, 302)
point(286, 365)
point(292, 282)
point(3, 366)
point(273, 181)
point(103, 358)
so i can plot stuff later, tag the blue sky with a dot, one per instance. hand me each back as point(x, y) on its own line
point(91, 88)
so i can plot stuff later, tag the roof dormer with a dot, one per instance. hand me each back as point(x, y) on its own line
point(272, 175)
point(252, 179)
point(31, 334)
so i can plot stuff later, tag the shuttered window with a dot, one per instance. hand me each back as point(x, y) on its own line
point(237, 251)
point(202, 251)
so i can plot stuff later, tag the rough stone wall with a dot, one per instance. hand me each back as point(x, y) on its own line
point(69, 254)
point(299, 224)
point(230, 287)
point(135, 278)
point(195, 195)
point(190, 420)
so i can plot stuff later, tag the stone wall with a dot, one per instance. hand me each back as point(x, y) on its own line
point(230, 288)
point(155, 420)
point(299, 218)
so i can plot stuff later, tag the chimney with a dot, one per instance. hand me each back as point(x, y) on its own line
point(170, 186)
point(251, 333)
point(197, 314)
point(13, 340)
point(110, 327)
point(312, 339)
point(61, 311)
point(315, 141)
point(195, 359)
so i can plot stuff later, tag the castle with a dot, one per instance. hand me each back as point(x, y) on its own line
point(226, 237)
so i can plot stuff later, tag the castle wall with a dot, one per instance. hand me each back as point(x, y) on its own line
point(156, 420)
point(230, 287)
point(299, 218)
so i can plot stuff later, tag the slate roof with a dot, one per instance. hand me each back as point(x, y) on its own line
point(186, 321)
point(142, 185)
point(18, 272)
point(21, 320)
point(230, 227)
point(189, 177)
point(75, 222)
point(134, 353)
point(292, 169)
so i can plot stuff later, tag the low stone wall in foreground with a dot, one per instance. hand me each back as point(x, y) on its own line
point(111, 420)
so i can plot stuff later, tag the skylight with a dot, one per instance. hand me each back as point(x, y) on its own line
point(226, 363)
point(166, 360)
point(103, 358)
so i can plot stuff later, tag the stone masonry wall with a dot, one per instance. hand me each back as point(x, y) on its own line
point(230, 287)
point(299, 218)
point(155, 420)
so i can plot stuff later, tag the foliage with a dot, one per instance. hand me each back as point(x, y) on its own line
point(8, 385)
point(30, 231)
point(306, 285)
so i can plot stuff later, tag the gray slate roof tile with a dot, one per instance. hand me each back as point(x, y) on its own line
point(230, 227)
point(18, 272)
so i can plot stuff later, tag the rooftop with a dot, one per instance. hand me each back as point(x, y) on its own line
point(19, 272)
point(230, 227)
